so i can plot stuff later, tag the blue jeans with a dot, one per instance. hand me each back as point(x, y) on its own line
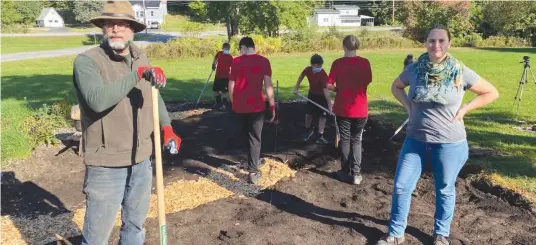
point(107, 190)
point(447, 161)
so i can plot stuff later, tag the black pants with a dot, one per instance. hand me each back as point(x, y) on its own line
point(251, 125)
point(351, 130)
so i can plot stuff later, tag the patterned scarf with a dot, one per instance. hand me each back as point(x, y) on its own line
point(435, 80)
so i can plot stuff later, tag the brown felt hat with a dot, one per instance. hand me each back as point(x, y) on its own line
point(118, 10)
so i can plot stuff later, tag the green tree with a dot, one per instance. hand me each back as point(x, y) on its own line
point(511, 19)
point(29, 11)
point(264, 17)
point(10, 15)
point(64, 9)
point(293, 14)
point(217, 12)
point(419, 16)
point(85, 10)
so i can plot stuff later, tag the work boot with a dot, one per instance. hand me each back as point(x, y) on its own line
point(308, 135)
point(390, 240)
point(254, 177)
point(356, 179)
point(441, 240)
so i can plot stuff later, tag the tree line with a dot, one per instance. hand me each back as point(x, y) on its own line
point(463, 18)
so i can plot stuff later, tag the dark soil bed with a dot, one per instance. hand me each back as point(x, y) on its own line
point(311, 208)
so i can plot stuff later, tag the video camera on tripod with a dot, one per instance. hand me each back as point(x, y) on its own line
point(524, 80)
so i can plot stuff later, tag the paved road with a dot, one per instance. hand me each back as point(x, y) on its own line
point(52, 53)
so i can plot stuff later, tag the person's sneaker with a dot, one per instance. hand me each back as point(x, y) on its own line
point(441, 240)
point(343, 176)
point(308, 135)
point(321, 140)
point(356, 179)
point(253, 178)
point(223, 107)
point(390, 240)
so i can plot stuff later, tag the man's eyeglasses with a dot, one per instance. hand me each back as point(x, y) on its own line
point(120, 25)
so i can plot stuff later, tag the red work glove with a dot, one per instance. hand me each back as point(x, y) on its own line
point(153, 74)
point(170, 136)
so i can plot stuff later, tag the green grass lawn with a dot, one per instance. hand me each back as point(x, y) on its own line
point(48, 80)
point(29, 44)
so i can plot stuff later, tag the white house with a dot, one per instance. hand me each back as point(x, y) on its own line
point(341, 15)
point(49, 18)
point(154, 12)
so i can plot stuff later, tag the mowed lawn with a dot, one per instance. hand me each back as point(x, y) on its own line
point(47, 80)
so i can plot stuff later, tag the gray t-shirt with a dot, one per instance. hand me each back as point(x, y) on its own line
point(431, 121)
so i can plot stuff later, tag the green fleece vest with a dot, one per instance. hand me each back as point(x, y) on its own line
point(121, 135)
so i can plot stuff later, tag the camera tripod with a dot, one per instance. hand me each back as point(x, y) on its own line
point(524, 80)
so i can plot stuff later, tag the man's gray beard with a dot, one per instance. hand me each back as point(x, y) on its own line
point(116, 46)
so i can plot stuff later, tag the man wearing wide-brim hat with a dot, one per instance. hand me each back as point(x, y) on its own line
point(113, 85)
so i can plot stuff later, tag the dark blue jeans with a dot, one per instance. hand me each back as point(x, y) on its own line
point(107, 190)
point(447, 161)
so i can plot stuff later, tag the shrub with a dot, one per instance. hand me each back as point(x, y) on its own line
point(471, 40)
point(504, 41)
point(15, 140)
point(299, 41)
point(184, 48)
point(304, 40)
point(40, 126)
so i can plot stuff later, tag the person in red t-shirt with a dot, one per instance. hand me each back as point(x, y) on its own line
point(349, 77)
point(318, 93)
point(248, 72)
point(222, 64)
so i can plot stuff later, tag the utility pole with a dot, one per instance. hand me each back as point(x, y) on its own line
point(393, 16)
point(144, 16)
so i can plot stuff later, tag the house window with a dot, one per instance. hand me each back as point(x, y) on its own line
point(152, 13)
point(55, 21)
point(50, 21)
point(326, 19)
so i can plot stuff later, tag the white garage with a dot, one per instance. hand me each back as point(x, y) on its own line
point(49, 18)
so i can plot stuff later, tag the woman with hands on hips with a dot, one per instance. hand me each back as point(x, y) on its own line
point(437, 83)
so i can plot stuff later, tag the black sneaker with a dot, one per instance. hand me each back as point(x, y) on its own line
point(343, 176)
point(321, 140)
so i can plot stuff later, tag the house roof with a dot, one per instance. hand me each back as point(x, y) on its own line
point(148, 4)
point(327, 11)
point(350, 17)
point(45, 12)
point(345, 7)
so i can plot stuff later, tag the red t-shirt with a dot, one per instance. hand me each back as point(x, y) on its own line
point(351, 75)
point(248, 72)
point(224, 64)
point(317, 81)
